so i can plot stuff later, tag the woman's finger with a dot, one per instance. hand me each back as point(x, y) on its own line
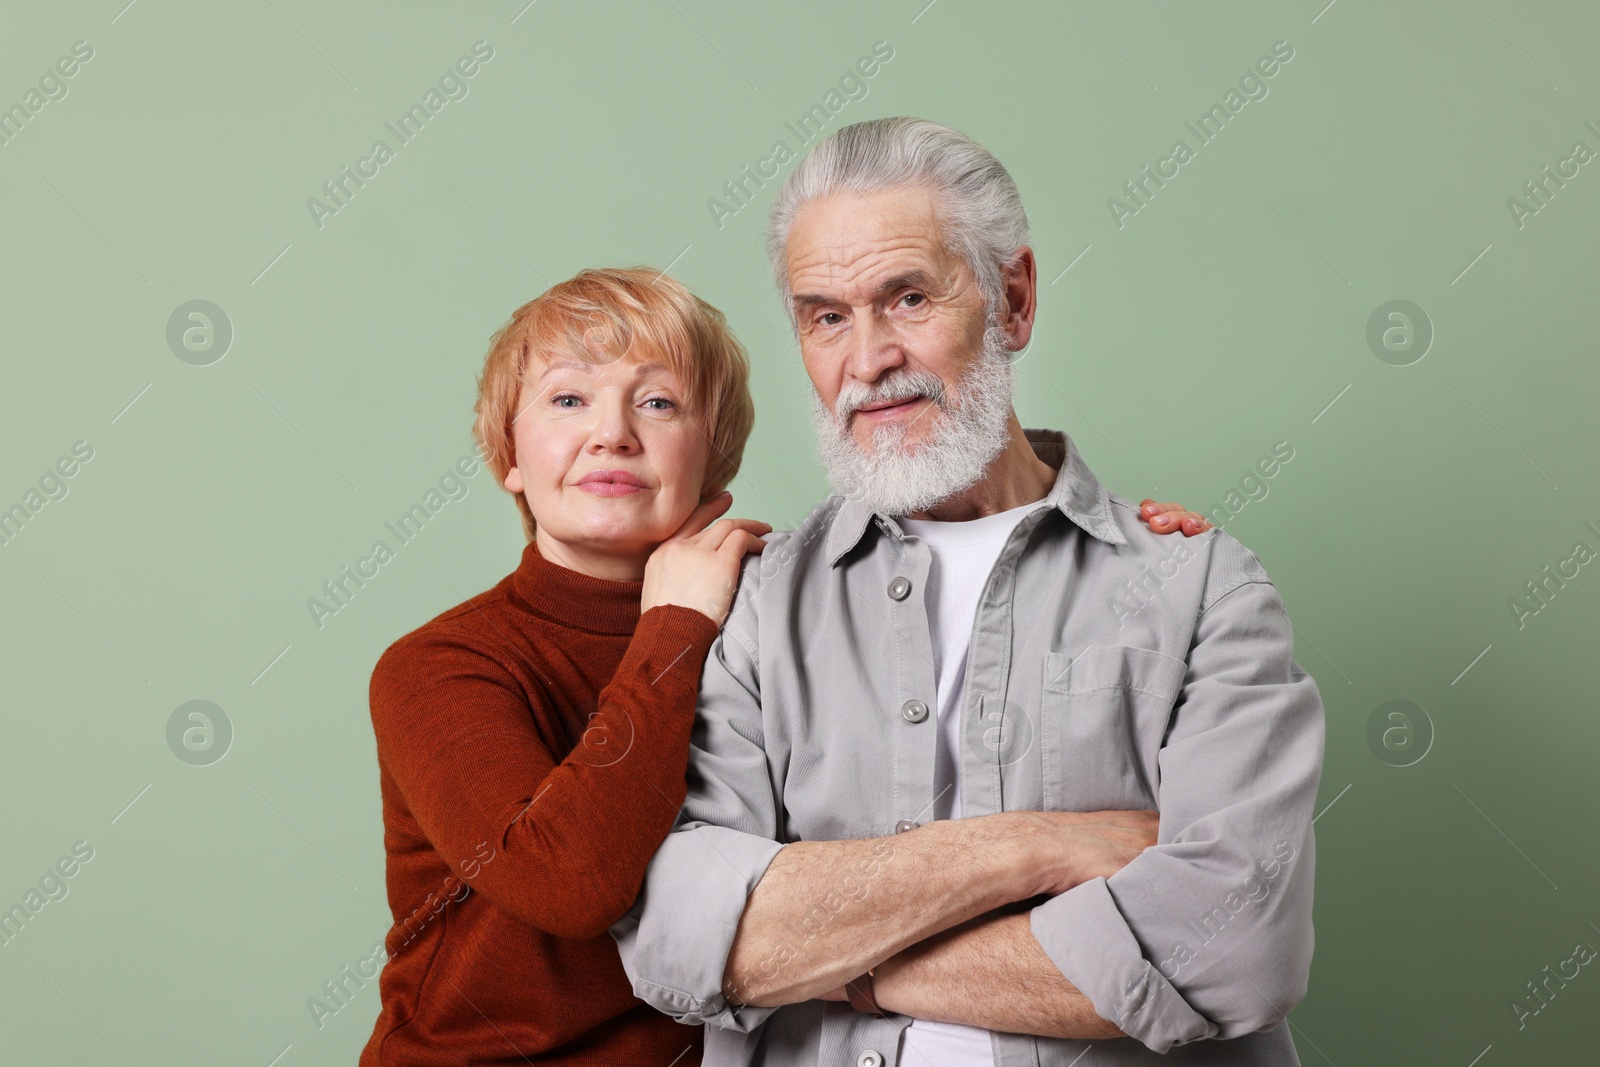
point(740, 542)
point(1169, 517)
point(720, 532)
point(713, 534)
point(1187, 521)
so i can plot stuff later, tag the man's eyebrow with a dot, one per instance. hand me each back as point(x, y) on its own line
point(911, 279)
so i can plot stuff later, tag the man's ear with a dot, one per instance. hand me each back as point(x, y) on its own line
point(1020, 297)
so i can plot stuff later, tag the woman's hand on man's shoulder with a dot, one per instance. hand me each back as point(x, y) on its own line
point(698, 566)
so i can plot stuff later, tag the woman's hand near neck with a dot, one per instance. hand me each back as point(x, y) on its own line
point(697, 567)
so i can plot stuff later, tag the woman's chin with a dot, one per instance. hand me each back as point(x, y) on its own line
point(619, 539)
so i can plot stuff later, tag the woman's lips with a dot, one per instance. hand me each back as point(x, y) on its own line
point(610, 483)
point(610, 488)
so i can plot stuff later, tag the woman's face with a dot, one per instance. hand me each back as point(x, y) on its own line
point(608, 459)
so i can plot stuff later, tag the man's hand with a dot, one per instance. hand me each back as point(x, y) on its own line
point(889, 892)
point(1073, 847)
point(1170, 518)
point(900, 889)
point(988, 972)
point(1065, 849)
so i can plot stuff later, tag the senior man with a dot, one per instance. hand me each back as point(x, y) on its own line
point(985, 771)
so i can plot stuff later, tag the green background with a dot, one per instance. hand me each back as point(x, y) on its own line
point(1226, 315)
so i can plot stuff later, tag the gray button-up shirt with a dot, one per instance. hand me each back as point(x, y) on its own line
point(1109, 668)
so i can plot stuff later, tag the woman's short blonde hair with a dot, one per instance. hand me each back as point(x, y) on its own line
point(601, 315)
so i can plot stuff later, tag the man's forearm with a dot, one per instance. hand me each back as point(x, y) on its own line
point(988, 972)
point(825, 911)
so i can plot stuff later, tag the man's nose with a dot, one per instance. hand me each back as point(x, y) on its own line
point(875, 347)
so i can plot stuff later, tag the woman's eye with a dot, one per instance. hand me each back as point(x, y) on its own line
point(559, 400)
point(661, 400)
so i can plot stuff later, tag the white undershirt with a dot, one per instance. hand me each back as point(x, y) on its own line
point(963, 555)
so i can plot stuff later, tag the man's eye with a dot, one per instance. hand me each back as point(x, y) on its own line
point(917, 299)
point(826, 315)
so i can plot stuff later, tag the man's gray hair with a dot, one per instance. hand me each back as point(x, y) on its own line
point(981, 215)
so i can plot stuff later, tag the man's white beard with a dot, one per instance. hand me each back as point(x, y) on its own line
point(970, 428)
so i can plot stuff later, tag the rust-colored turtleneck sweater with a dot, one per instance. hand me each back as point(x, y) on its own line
point(532, 744)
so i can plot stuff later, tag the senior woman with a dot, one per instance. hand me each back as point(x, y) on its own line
point(532, 741)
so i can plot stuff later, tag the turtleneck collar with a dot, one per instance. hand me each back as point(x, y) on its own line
point(565, 596)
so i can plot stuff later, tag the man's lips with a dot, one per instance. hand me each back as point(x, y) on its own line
point(610, 483)
point(888, 409)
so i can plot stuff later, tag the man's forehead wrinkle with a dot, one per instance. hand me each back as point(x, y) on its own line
point(844, 266)
point(837, 252)
point(910, 223)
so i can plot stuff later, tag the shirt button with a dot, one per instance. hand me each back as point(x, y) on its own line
point(903, 825)
point(869, 1058)
point(914, 710)
point(898, 589)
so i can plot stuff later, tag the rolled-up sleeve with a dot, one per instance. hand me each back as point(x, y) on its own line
point(675, 940)
point(1208, 934)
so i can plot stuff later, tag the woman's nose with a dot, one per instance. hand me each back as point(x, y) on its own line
point(613, 432)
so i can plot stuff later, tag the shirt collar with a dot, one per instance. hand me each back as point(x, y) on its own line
point(1076, 493)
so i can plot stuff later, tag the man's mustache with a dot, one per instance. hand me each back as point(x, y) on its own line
point(900, 387)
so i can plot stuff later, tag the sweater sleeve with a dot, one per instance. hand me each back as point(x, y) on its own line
point(572, 839)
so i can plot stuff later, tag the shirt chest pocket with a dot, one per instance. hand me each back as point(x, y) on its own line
point(1103, 716)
